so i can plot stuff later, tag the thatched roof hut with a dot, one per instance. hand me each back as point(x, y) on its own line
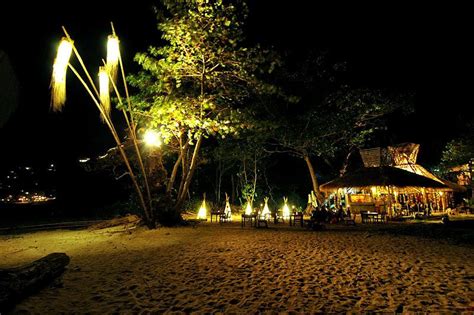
point(420, 170)
point(382, 176)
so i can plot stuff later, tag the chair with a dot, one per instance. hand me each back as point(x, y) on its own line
point(364, 217)
point(296, 218)
point(225, 217)
point(348, 220)
point(261, 221)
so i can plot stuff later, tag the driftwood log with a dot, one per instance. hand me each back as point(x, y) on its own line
point(20, 282)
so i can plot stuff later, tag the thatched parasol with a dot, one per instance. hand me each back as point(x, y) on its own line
point(382, 176)
point(455, 187)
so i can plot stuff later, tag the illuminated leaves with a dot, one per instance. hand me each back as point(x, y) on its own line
point(201, 82)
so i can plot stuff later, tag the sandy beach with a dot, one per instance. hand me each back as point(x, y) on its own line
point(224, 268)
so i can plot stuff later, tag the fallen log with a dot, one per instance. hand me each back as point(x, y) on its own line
point(20, 282)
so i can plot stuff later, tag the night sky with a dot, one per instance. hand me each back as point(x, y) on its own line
point(401, 48)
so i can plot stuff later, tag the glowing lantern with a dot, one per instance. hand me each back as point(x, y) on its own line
point(266, 211)
point(113, 55)
point(58, 80)
point(202, 213)
point(286, 209)
point(104, 91)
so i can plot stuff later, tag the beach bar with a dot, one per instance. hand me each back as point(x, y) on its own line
point(391, 183)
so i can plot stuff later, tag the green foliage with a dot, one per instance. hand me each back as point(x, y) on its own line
point(199, 83)
point(457, 152)
point(346, 118)
point(203, 82)
point(247, 192)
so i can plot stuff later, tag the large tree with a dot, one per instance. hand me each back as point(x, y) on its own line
point(199, 84)
point(342, 121)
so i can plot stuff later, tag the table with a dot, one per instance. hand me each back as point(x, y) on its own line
point(217, 214)
point(296, 217)
point(369, 216)
point(249, 217)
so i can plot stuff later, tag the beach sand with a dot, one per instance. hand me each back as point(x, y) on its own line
point(224, 268)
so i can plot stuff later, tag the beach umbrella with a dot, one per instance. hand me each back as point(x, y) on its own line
point(266, 210)
point(202, 213)
point(248, 208)
point(227, 210)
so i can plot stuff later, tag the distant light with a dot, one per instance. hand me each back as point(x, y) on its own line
point(27, 168)
point(152, 138)
point(84, 160)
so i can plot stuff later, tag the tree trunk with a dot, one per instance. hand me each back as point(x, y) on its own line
point(190, 173)
point(219, 182)
point(18, 283)
point(254, 177)
point(232, 198)
point(346, 162)
point(183, 151)
point(314, 179)
point(184, 164)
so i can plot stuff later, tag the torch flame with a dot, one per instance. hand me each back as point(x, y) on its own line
point(58, 80)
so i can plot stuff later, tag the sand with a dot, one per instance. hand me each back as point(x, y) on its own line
point(224, 268)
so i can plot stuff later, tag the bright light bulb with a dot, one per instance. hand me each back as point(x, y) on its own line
point(152, 138)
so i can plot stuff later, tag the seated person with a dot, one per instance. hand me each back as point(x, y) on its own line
point(317, 218)
point(339, 214)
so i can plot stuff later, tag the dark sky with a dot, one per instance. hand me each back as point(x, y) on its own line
point(400, 47)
